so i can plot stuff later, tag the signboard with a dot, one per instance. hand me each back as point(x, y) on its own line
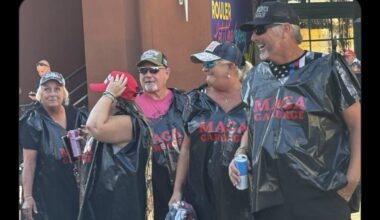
point(226, 17)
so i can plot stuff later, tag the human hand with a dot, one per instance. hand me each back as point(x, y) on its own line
point(32, 96)
point(117, 85)
point(347, 191)
point(83, 132)
point(233, 172)
point(176, 197)
point(28, 207)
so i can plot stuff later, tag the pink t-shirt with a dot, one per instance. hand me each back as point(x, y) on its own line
point(151, 108)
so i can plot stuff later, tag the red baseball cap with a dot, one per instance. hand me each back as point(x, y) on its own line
point(128, 94)
point(349, 53)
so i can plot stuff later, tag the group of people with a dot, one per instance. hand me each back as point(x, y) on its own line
point(161, 146)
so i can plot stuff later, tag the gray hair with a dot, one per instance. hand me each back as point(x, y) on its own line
point(297, 33)
point(65, 98)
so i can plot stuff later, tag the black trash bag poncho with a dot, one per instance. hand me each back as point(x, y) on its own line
point(55, 188)
point(215, 135)
point(112, 178)
point(298, 124)
point(168, 133)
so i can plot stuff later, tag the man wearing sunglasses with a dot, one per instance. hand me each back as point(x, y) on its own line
point(162, 106)
point(303, 135)
point(42, 67)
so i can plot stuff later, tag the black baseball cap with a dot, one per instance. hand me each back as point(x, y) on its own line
point(52, 76)
point(216, 51)
point(272, 12)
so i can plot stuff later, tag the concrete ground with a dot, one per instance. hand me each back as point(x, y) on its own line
point(355, 216)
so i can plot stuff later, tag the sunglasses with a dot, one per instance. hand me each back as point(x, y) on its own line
point(41, 64)
point(209, 64)
point(153, 69)
point(262, 29)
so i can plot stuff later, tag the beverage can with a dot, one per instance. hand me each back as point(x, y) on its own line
point(75, 145)
point(241, 163)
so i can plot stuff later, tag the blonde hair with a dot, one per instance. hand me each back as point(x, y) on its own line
point(241, 72)
point(65, 98)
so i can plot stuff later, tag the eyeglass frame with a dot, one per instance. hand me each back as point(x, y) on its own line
point(262, 29)
point(152, 69)
point(211, 64)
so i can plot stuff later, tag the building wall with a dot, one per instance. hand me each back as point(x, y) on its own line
point(163, 26)
point(117, 32)
point(51, 30)
point(112, 40)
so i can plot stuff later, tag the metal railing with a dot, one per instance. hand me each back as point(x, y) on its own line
point(76, 83)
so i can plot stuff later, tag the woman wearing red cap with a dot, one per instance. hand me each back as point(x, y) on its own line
point(116, 185)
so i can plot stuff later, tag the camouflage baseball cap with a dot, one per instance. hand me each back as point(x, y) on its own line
point(154, 56)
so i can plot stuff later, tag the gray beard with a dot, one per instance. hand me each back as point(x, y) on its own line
point(150, 87)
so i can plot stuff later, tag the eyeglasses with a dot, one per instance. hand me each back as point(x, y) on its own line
point(210, 64)
point(153, 69)
point(262, 29)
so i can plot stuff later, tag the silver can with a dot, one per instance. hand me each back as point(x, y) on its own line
point(241, 163)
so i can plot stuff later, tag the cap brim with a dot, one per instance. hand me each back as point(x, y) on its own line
point(47, 80)
point(203, 57)
point(149, 60)
point(251, 25)
point(97, 87)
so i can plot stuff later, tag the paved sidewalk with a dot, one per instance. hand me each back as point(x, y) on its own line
point(355, 216)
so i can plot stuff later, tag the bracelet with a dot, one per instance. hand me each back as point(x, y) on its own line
point(109, 95)
point(28, 197)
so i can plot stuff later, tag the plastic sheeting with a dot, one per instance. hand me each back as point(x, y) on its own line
point(113, 182)
point(181, 210)
point(55, 189)
point(215, 135)
point(168, 133)
point(298, 122)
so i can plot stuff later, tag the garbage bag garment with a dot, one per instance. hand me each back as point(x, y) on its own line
point(298, 122)
point(113, 178)
point(215, 135)
point(55, 188)
point(168, 133)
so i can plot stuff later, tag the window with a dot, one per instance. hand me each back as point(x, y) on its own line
point(324, 35)
point(328, 25)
